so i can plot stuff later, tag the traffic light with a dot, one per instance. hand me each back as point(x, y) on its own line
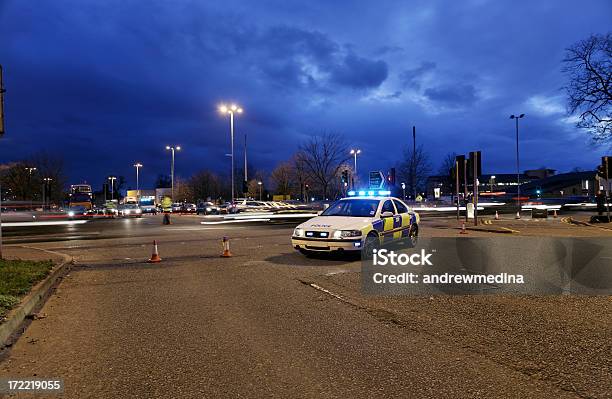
point(392, 177)
point(344, 177)
point(475, 158)
point(459, 161)
point(1, 104)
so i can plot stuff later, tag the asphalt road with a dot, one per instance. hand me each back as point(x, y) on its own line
point(271, 323)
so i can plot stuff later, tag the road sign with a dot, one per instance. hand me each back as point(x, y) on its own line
point(377, 179)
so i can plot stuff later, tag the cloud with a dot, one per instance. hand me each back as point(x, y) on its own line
point(454, 96)
point(360, 73)
point(545, 106)
point(411, 78)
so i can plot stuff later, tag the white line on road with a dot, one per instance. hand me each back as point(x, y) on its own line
point(50, 223)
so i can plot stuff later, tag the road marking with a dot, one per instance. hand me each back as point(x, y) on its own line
point(200, 228)
point(237, 221)
point(51, 223)
point(328, 292)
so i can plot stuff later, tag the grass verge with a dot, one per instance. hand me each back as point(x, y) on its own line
point(17, 277)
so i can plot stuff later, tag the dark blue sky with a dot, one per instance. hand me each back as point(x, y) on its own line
point(109, 83)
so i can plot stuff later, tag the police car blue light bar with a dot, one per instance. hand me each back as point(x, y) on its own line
point(369, 193)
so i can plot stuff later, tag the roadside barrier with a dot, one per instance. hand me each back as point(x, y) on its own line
point(166, 219)
point(155, 256)
point(226, 248)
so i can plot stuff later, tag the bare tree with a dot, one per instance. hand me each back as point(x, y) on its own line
point(447, 164)
point(282, 178)
point(322, 156)
point(206, 184)
point(415, 170)
point(588, 67)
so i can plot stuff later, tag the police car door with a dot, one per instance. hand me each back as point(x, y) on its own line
point(405, 217)
point(391, 224)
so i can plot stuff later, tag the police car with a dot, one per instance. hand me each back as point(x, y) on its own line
point(351, 223)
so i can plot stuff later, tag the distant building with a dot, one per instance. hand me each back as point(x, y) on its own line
point(540, 173)
point(564, 184)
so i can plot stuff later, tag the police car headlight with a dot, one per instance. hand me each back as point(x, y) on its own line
point(298, 232)
point(347, 233)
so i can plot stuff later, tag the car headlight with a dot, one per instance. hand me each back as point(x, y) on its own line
point(71, 214)
point(347, 233)
point(138, 210)
point(208, 209)
point(127, 211)
point(298, 232)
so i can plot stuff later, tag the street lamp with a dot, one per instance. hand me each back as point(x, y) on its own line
point(518, 173)
point(172, 148)
point(231, 110)
point(404, 189)
point(30, 170)
point(137, 165)
point(46, 182)
point(355, 153)
point(491, 181)
point(259, 184)
point(112, 180)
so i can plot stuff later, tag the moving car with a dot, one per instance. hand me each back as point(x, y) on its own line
point(351, 223)
point(130, 210)
point(207, 208)
point(189, 208)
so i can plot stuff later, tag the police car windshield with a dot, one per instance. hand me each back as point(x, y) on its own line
point(352, 207)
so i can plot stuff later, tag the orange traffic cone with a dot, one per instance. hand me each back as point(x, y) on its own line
point(496, 215)
point(226, 250)
point(155, 256)
point(463, 230)
point(554, 213)
point(518, 215)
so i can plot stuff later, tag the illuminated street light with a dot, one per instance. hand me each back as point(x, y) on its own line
point(46, 182)
point(30, 170)
point(137, 165)
point(231, 111)
point(259, 184)
point(518, 173)
point(491, 181)
point(112, 180)
point(172, 148)
point(404, 189)
point(355, 153)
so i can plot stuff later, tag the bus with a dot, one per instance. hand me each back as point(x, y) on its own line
point(80, 196)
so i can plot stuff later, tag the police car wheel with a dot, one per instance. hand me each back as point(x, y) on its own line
point(371, 243)
point(413, 236)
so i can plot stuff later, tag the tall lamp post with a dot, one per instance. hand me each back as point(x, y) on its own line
point(112, 180)
point(46, 193)
point(30, 171)
point(137, 165)
point(491, 181)
point(172, 149)
point(404, 191)
point(231, 110)
point(354, 153)
point(518, 171)
point(259, 184)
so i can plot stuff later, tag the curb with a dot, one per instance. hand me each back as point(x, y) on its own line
point(35, 297)
point(504, 230)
